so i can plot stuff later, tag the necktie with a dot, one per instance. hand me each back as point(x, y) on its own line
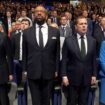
point(83, 49)
point(63, 30)
point(40, 37)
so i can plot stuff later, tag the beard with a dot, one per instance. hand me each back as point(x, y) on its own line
point(40, 21)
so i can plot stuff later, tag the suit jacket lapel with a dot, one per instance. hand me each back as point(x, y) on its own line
point(49, 37)
point(76, 46)
point(88, 45)
point(33, 34)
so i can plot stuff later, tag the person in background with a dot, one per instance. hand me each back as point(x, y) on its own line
point(102, 74)
point(1, 27)
point(65, 31)
point(6, 67)
point(17, 41)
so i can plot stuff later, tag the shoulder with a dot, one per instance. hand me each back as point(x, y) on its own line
point(103, 43)
point(54, 30)
point(69, 38)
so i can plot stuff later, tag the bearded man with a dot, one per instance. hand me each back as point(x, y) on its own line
point(41, 53)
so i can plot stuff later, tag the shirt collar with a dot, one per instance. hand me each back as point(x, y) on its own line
point(79, 36)
point(43, 25)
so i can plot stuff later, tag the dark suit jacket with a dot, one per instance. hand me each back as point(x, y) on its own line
point(41, 62)
point(5, 59)
point(15, 41)
point(79, 70)
point(99, 36)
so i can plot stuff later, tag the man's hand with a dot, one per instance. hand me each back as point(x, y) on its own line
point(65, 81)
point(93, 80)
point(24, 76)
point(10, 77)
point(56, 74)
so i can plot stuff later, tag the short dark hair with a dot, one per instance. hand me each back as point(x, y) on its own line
point(26, 20)
point(79, 17)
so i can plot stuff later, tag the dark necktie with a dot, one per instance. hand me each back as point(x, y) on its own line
point(63, 30)
point(40, 37)
point(83, 49)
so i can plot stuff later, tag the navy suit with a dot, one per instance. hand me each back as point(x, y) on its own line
point(41, 63)
point(78, 70)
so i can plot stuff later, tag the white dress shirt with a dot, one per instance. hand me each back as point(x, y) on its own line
point(79, 41)
point(44, 30)
point(21, 41)
point(9, 23)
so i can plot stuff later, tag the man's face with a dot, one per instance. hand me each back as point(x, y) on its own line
point(68, 15)
point(8, 14)
point(81, 26)
point(24, 25)
point(102, 22)
point(18, 25)
point(54, 13)
point(85, 14)
point(63, 20)
point(23, 13)
point(40, 15)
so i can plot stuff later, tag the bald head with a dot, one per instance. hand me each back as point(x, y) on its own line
point(40, 15)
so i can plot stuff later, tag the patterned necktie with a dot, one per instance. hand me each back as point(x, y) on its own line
point(40, 37)
point(83, 49)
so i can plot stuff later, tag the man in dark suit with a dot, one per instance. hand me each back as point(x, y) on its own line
point(17, 40)
point(79, 63)
point(6, 67)
point(41, 51)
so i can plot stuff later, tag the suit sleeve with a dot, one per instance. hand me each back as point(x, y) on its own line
point(58, 52)
point(8, 49)
point(24, 53)
point(102, 56)
point(64, 59)
point(94, 60)
point(12, 39)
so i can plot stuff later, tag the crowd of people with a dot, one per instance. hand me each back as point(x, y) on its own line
point(57, 50)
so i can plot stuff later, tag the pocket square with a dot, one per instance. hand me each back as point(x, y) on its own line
point(53, 38)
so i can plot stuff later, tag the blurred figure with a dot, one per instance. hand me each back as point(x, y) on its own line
point(31, 14)
point(17, 41)
point(69, 19)
point(65, 31)
point(13, 27)
point(8, 22)
point(6, 67)
point(24, 16)
point(90, 26)
point(1, 27)
point(102, 74)
point(54, 16)
point(51, 23)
